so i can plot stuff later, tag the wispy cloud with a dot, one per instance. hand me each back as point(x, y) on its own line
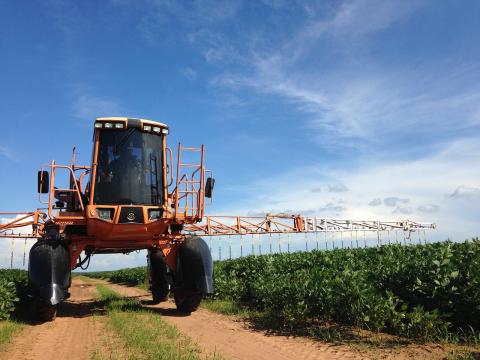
point(331, 209)
point(89, 107)
point(375, 202)
point(359, 100)
point(337, 187)
point(189, 73)
point(394, 201)
point(430, 208)
point(190, 16)
point(6, 152)
point(214, 46)
point(361, 17)
point(406, 210)
point(466, 192)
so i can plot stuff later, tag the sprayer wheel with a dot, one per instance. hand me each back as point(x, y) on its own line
point(159, 295)
point(46, 312)
point(187, 302)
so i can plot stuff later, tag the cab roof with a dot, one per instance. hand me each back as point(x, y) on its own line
point(132, 121)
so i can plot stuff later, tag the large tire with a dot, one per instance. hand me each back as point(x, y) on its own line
point(159, 295)
point(46, 312)
point(49, 273)
point(159, 276)
point(187, 302)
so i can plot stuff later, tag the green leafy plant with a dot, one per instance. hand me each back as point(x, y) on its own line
point(422, 291)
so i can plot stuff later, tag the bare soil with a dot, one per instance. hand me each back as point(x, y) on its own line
point(76, 334)
point(73, 335)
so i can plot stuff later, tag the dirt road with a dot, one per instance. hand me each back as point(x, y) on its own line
point(216, 333)
point(72, 335)
point(75, 334)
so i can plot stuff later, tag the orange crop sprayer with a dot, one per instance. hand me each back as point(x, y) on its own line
point(129, 199)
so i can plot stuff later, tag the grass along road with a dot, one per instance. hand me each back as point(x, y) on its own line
point(8, 329)
point(142, 332)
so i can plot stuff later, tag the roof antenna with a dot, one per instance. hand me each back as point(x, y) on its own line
point(73, 156)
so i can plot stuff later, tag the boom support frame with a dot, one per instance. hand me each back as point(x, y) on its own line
point(278, 224)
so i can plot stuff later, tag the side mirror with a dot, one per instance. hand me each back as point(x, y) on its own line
point(209, 187)
point(43, 182)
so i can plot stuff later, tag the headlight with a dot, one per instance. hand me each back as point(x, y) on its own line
point(118, 125)
point(147, 128)
point(156, 129)
point(105, 214)
point(98, 125)
point(108, 125)
point(154, 214)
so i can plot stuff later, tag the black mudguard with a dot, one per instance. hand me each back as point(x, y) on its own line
point(159, 275)
point(194, 271)
point(49, 272)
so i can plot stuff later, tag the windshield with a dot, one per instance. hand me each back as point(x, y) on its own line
point(129, 169)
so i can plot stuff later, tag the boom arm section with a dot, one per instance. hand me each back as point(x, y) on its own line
point(35, 219)
point(243, 225)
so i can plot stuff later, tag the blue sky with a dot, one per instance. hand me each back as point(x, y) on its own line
point(350, 109)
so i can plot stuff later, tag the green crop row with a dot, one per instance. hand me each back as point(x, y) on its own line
point(130, 276)
point(427, 291)
point(13, 289)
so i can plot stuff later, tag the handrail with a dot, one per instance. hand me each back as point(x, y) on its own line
point(170, 166)
point(188, 192)
point(76, 189)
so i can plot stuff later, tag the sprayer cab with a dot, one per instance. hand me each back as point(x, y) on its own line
point(128, 180)
point(129, 167)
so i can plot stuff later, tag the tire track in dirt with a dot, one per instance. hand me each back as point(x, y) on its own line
point(73, 335)
point(220, 334)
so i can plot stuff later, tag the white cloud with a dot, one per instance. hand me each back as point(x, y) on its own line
point(407, 210)
point(193, 15)
point(6, 152)
point(331, 209)
point(337, 187)
point(14, 251)
point(214, 46)
point(465, 192)
point(362, 17)
point(375, 202)
point(422, 181)
point(189, 73)
point(430, 208)
point(90, 107)
point(359, 101)
point(394, 201)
